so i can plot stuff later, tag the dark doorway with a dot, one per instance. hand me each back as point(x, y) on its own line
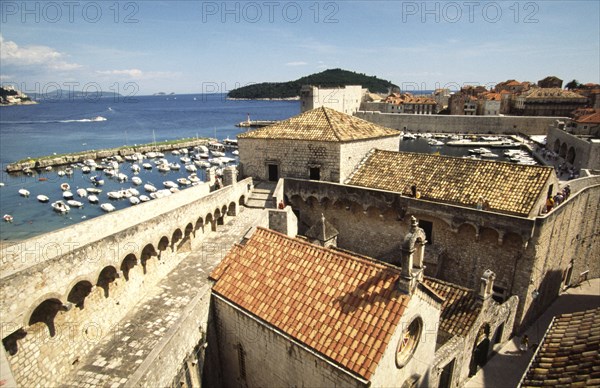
point(446, 375)
point(427, 227)
point(273, 172)
point(315, 174)
point(550, 191)
point(479, 356)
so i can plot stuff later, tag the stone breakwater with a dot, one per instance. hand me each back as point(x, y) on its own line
point(78, 157)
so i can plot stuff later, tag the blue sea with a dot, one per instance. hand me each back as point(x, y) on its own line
point(64, 125)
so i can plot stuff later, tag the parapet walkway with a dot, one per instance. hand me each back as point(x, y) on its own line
point(116, 358)
point(505, 369)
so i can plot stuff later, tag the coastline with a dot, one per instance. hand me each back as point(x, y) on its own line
point(296, 98)
point(20, 103)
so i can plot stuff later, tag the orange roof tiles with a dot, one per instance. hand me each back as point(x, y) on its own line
point(508, 187)
point(321, 124)
point(343, 306)
point(460, 308)
point(569, 354)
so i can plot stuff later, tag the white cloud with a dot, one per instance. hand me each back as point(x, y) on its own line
point(297, 63)
point(43, 56)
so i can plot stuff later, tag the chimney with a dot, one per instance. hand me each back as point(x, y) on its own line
point(229, 176)
point(486, 285)
point(413, 249)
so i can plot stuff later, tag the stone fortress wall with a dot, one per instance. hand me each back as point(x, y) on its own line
point(64, 291)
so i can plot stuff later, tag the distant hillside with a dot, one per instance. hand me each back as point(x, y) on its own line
point(11, 96)
point(327, 78)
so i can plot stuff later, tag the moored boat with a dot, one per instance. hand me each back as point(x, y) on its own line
point(8, 218)
point(24, 192)
point(107, 207)
point(74, 203)
point(60, 207)
point(93, 199)
point(42, 198)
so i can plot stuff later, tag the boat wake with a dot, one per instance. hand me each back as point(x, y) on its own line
point(92, 120)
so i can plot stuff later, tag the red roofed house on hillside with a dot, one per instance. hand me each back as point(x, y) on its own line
point(290, 313)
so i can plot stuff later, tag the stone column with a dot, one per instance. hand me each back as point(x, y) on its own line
point(229, 176)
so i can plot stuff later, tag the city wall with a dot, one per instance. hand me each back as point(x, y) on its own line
point(527, 125)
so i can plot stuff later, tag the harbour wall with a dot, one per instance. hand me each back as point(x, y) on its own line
point(527, 125)
point(79, 157)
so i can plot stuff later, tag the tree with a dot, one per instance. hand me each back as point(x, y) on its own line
point(573, 85)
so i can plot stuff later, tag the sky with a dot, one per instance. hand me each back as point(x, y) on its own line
point(145, 47)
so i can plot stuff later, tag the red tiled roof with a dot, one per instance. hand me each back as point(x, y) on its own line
point(592, 118)
point(569, 356)
point(460, 308)
point(343, 306)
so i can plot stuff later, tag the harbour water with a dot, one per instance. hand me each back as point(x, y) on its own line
point(64, 126)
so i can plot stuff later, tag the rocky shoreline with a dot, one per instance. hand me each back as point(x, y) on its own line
point(78, 157)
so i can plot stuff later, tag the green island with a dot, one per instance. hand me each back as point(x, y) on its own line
point(327, 78)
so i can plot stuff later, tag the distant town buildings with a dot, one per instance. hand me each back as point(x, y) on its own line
point(576, 142)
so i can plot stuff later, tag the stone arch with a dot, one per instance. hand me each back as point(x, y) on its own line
point(556, 146)
point(296, 201)
point(147, 253)
point(468, 229)
point(481, 347)
point(128, 263)
point(490, 235)
point(373, 212)
point(242, 200)
point(563, 150)
point(232, 209)
point(163, 244)
point(46, 312)
point(199, 224)
point(175, 238)
point(571, 155)
point(189, 229)
point(11, 341)
point(79, 292)
point(106, 277)
point(312, 202)
point(325, 203)
point(218, 218)
point(210, 220)
point(342, 204)
point(356, 208)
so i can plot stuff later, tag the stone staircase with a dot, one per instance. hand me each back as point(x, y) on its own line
point(262, 196)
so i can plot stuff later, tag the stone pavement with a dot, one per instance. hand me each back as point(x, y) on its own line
point(117, 357)
point(506, 368)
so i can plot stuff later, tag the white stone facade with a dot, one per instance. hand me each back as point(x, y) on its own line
point(343, 99)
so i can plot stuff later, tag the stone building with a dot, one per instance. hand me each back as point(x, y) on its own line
point(576, 143)
point(547, 102)
point(321, 144)
point(550, 82)
point(345, 99)
point(489, 104)
point(511, 234)
point(569, 354)
point(289, 313)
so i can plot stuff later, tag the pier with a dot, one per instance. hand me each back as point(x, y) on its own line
point(254, 123)
point(78, 157)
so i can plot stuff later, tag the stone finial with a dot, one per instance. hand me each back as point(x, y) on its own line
point(486, 286)
point(323, 233)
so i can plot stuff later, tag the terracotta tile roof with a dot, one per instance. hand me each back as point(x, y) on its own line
point(343, 306)
point(321, 124)
point(550, 93)
point(592, 118)
point(569, 354)
point(508, 187)
point(460, 308)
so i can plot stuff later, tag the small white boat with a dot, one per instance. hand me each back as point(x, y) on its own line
point(8, 218)
point(114, 195)
point(86, 169)
point(144, 198)
point(169, 184)
point(480, 150)
point(74, 203)
point(235, 152)
point(151, 155)
point(185, 159)
point(147, 166)
point(190, 168)
point(60, 207)
point(408, 136)
point(174, 166)
point(215, 161)
point(93, 199)
point(133, 192)
point(110, 172)
point(107, 207)
point(49, 168)
point(64, 186)
point(1, 184)
point(174, 190)
point(202, 163)
point(435, 142)
point(164, 168)
point(67, 195)
point(134, 200)
point(94, 190)
point(68, 171)
point(184, 181)
point(136, 180)
point(122, 177)
point(42, 198)
point(217, 153)
point(194, 178)
point(489, 155)
point(135, 168)
point(61, 173)
point(82, 193)
point(149, 188)
point(175, 152)
point(24, 192)
point(97, 180)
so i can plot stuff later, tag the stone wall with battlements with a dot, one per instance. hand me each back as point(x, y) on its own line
point(461, 124)
point(64, 291)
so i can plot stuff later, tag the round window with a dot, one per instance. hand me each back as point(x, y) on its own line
point(408, 342)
